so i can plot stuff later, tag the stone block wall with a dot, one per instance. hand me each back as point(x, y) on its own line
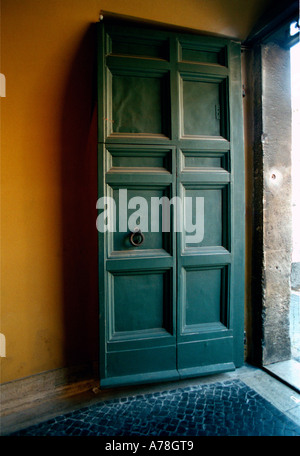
point(272, 202)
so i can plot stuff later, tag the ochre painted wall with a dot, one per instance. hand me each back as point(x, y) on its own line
point(49, 308)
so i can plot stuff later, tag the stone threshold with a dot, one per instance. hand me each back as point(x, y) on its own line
point(286, 371)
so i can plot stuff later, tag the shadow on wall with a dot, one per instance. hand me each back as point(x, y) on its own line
point(79, 190)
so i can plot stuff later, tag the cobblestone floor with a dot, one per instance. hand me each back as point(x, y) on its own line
point(228, 408)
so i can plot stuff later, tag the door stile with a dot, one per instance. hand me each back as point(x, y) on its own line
point(237, 200)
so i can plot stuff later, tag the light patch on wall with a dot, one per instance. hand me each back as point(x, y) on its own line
point(2, 346)
point(2, 85)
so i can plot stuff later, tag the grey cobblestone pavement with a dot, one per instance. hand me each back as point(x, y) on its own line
point(228, 408)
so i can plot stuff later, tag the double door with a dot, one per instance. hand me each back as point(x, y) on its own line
point(171, 205)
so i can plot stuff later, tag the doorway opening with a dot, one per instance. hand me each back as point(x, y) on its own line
point(275, 343)
point(287, 365)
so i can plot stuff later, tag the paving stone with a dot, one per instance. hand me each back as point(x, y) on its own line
point(224, 408)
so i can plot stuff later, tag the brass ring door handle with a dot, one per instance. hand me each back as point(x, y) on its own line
point(137, 238)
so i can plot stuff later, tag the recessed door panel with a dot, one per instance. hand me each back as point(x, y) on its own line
point(138, 47)
point(139, 103)
point(202, 162)
point(140, 214)
point(202, 297)
point(136, 317)
point(201, 107)
point(139, 160)
point(191, 51)
point(195, 160)
point(205, 216)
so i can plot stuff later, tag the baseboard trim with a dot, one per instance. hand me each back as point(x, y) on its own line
point(20, 394)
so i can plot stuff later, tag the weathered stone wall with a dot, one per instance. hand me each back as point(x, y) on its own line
point(295, 277)
point(272, 202)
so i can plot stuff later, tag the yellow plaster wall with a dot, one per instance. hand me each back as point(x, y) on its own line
point(49, 313)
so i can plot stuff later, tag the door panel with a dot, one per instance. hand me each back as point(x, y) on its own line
point(212, 217)
point(134, 92)
point(124, 42)
point(205, 97)
point(203, 105)
point(170, 125)
point(133, 95)
point(190, 51)
point(135, 318)
point(138, 159)
point(202, 302)
point(141, 209)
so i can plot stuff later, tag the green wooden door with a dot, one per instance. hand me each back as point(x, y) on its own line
point(170, 130)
